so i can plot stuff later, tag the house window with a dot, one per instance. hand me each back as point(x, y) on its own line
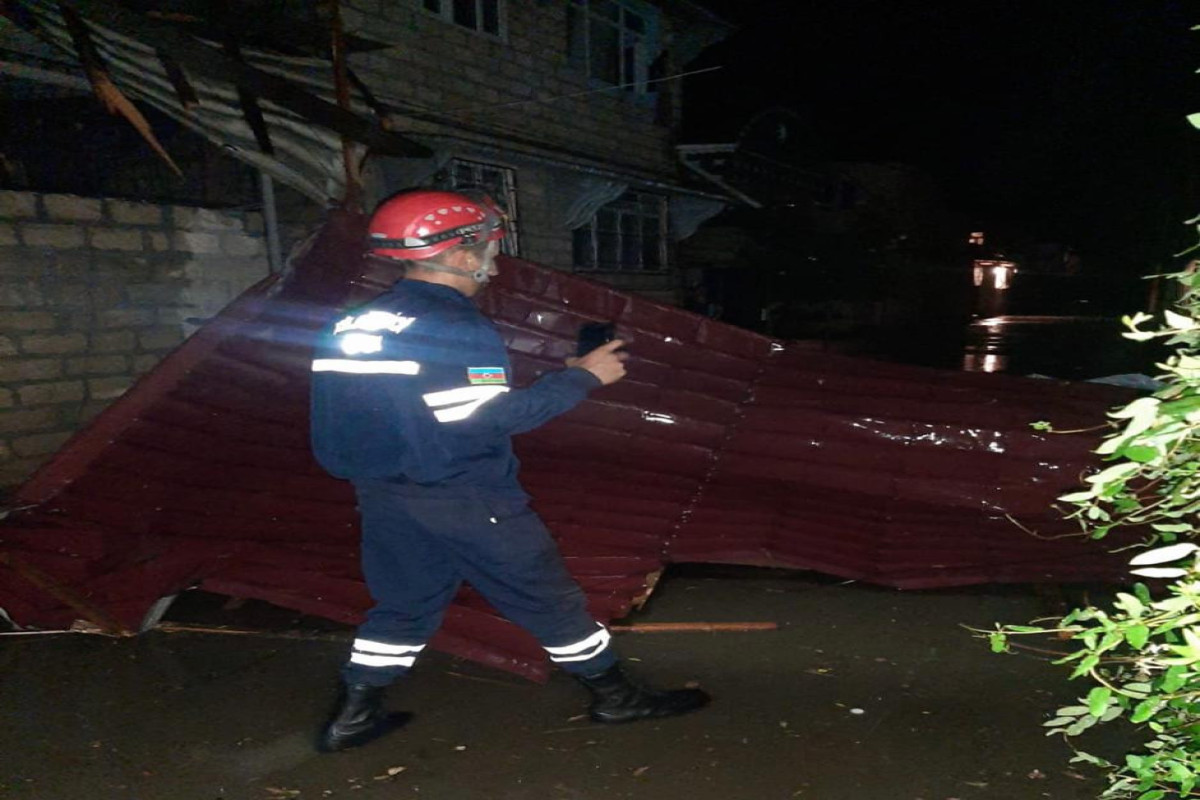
point(478, 15)
point(627, 235)
point(500, 185)
point(612, 40)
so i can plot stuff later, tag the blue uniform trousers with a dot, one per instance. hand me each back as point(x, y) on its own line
point(418, 547)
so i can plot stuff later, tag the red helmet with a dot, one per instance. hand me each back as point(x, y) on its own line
point(421, 224)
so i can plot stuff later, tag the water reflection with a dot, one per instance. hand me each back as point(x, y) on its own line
point(1073, 347)
point(983, 362)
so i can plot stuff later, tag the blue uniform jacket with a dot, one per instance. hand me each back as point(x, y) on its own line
point(414, 387)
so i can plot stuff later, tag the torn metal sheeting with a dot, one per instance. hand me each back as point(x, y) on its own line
point(721, 446)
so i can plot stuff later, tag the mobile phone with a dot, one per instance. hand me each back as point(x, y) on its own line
point(593, 335)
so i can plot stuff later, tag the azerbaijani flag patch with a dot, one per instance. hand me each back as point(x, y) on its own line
point(486, 375)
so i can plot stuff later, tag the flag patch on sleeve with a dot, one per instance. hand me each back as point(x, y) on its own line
point(486, 375)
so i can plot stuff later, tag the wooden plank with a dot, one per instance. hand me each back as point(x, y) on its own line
point(65, 595)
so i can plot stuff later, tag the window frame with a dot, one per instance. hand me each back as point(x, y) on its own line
point(644, 46)
point(445, 12)
point(633, 204)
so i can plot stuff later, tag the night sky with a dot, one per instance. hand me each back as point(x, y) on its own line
point(1064, 117)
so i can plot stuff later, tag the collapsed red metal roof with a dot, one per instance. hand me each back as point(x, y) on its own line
point(721, 446)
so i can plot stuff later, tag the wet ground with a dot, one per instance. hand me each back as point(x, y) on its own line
point(862, 694)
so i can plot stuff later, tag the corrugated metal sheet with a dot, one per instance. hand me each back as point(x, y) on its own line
point(295, 94)
point(721, 446)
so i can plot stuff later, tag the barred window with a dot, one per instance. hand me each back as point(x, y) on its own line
point(498, 182)
point(627, 235)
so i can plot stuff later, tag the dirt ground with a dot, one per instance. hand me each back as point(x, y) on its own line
point(862, 694)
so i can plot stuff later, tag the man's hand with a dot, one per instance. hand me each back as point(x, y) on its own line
point(604, 362)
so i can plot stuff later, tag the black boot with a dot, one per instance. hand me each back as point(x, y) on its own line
point(616, 699)
point(358, 718)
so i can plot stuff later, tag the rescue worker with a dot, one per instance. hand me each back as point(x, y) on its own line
point(412, 402)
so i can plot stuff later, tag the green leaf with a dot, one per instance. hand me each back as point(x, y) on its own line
point(1111, 640)
point(1139, 317)
point(1174, 605)
point(1072, 711)
point(1178, 321)
point(1178, 772)
point(1087, 758)
point(1098, 699)
point(1130, 604)
point(1153, 794)
point(1081, 725)
point(1144, 710)
point(1164, 555)
point(1140, 453)
point(1181, 407)
point(1143, 593)
point(1137, 636)
point(1117, 472)
point(998, 641)
point(1193, 641)
point(1086, 665)
point(1173, 679)
point(1172, 527)
point(1137, 409)
point(1058, 722)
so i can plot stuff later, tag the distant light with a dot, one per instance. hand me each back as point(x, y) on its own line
point(976, 237)
point(1001, 272)
point(1000, 277)
point(665, 419)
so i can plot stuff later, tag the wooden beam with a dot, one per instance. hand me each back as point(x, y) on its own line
point(106, 91)
point(247, 100)
point(353, 199)
point(183, 88)
point(64, 595)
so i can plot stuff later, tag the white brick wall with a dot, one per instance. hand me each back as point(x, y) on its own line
point(93, 293)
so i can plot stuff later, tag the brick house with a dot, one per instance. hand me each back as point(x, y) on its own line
point(568, 110)
point(556, 107)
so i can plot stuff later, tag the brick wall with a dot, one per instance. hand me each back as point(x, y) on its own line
point(93, 293)
point(468, 80)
